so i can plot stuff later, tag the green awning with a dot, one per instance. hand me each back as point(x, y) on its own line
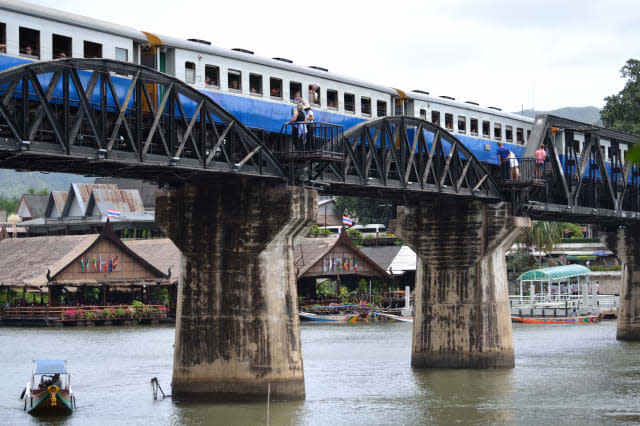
point(581, 257)
point(556, 273)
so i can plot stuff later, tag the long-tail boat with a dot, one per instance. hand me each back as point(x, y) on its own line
point(559, 320)
point(49, 391)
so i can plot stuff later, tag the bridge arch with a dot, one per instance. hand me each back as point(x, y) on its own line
point(415, 155)
point(117, 112)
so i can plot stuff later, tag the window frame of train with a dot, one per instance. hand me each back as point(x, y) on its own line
point(92, 50)
point(237, 76)
point(189, 72)
point(462, 120)
point(213, 72)
point(381, 106)
point(61, 44)
point(365, 105)
point(278, 86)
point(497, 131)
point(255, 82)
point(423, 114)
point(448, 121)
point(508, 133)
point(473, 122)
point(295, 86)
point(486, 129)
point(519, 135)
point(350, 103)
point(435, 117)
point(3, 37)
point(122, 54)
point(33, 42)
point(318, 92)
point(332, 98)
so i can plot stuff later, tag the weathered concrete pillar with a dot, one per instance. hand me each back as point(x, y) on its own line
point(462, 314)
point(237, 326)
point(625, 243)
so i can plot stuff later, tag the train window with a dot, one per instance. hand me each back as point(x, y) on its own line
point(122, 54)
point(275, 87)
point(314, 94)
point(332, 99)
point(508, 133)
point(92, 50)
point(435, 117)
point(612, 153)
point(61, 46)
point(398, 107)
point(497, 131)
point(423, 114)
point(295, 91)
point(29, 43)
point(3, 37)
point(474, 126)
point(365, 106)
point(381, 108)
point(519, 135)
point(234, 80)
point(349, 102)
point(190, 72)
point(486, 129)
point(211, 75)
point(255, 84)
point(462, 124)
point(528, 134)
point(448, 121)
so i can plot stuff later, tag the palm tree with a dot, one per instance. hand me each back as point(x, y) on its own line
point(543, 236)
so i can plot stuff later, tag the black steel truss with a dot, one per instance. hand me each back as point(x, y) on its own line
point(404, 157)
point(580, 186)
point(112, 118)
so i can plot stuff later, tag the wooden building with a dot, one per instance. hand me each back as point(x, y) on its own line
point(333, 258)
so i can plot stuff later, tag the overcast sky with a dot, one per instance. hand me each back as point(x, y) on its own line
point(497, 53)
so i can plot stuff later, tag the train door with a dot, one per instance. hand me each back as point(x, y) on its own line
point(149, 58)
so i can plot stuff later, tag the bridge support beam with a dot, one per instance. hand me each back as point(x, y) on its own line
point(237, 328)
point(462, 313)
point(625, 243)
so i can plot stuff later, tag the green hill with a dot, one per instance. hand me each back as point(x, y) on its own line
point(14, 184)
point(588, 114)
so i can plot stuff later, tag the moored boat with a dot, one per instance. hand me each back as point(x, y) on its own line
point(49, 391)
point(350, 317)
point(590, 319)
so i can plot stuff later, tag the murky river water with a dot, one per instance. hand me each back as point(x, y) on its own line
point(355, 375)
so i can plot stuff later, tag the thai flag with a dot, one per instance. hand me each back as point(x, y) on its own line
point(113, 213)
point(347, 221)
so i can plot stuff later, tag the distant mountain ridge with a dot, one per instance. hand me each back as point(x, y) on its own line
point(590, 115)
point(14, 184)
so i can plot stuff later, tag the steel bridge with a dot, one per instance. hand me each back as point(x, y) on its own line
point(109, 118)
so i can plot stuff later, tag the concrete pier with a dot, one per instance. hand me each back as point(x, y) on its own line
point(625, 243)
point(237, 328)
point(462, 314)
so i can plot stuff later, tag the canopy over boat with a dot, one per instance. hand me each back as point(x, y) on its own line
point(555, 273)
point(50, 367)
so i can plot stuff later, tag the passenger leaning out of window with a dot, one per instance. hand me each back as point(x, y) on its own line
point(541, 155)
point(313, 94)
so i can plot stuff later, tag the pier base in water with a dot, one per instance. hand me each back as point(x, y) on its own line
point(462, 314)
point(237, 327)
point(625, 243)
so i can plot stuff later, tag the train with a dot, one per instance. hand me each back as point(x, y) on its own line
point(259, 91)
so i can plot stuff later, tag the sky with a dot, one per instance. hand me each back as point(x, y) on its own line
point(511, 54)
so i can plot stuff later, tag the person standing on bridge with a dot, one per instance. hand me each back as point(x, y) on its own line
point(503, 153)
point(541, 155)
point(299, 129)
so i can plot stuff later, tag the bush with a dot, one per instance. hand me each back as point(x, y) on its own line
point(605, 268)
point(579, 240)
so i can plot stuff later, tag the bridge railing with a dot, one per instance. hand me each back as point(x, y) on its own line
point(310, 140)
point(525, 170)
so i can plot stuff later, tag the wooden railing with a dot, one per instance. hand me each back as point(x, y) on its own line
point(85, 312)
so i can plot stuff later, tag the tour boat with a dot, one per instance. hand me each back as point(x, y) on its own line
point(590, 319)
point(49, 391)
point(351, 317)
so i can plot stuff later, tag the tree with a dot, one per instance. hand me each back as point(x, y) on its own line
point(543, 236)
point(622, 111)
point(366, 210)
point(43, 191)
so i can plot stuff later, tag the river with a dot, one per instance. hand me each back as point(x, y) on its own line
point(356, 374)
